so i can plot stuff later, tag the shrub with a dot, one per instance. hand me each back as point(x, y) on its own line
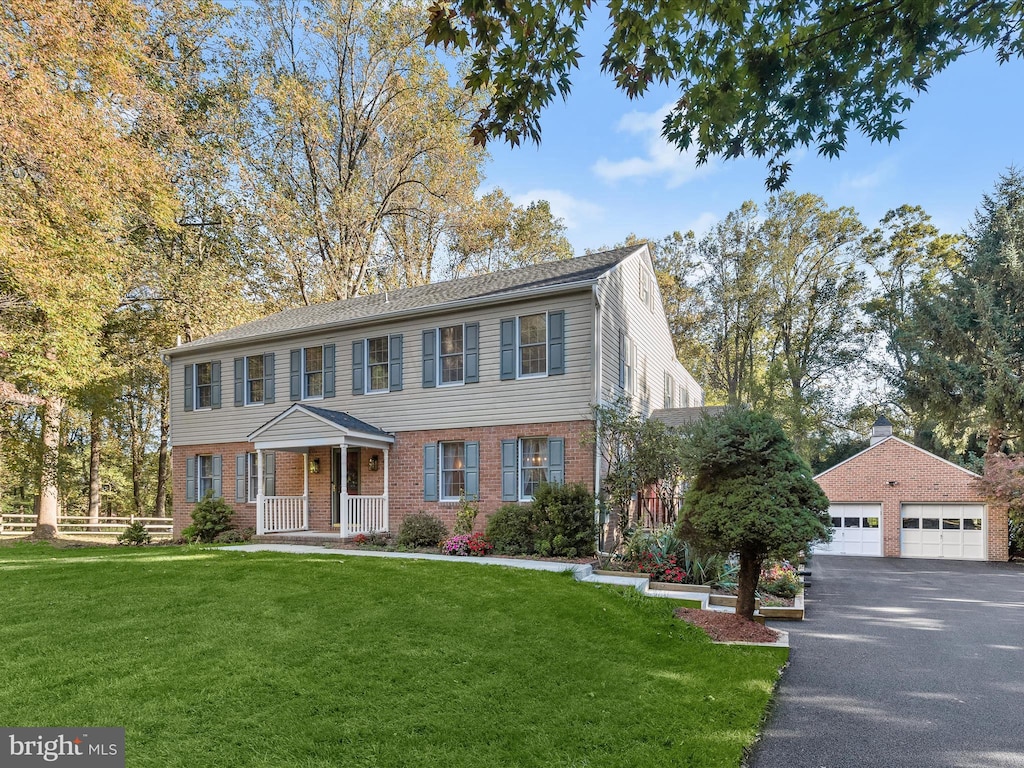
point(564, 516)
point(135, 534)
point(465, 518)
point(475, 544)
point(512, 529)
point(211, 517)
point(234, 536)
point(421, 530)
point(779, 579)
point(660, 551)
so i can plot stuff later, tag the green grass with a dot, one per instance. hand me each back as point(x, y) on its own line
point(214, 658)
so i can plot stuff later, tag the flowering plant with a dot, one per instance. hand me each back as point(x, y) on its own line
point(779, 579)
point(462, 544)
point(666, 569)
point(360, 538)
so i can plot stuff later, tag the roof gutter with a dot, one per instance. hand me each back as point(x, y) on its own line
point(506, 298)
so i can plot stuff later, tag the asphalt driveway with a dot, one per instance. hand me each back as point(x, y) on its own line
point(903, 663)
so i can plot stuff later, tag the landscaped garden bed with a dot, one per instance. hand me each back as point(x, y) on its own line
point(239, 659)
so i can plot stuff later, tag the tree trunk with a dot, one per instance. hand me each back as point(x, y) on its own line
point(162, 457)
point(135, 439)
point(95, 445)
point(48, 503)
point(995, 439)
point(750, 573)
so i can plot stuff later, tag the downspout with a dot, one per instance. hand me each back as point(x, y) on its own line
point(597, 352)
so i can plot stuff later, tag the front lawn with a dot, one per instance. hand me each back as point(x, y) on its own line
point(214, 658)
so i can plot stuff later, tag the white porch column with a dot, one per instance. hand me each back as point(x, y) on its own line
point(343, 505)
point(261, 525)
point(387, 521)
point(305, 491)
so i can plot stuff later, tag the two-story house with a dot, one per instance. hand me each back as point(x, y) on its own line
point(346, 417)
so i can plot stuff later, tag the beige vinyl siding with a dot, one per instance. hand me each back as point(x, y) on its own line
point(491, 402)
point(622, 309)
point(298, 426)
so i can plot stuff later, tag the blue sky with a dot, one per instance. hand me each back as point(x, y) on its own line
point(606, 171)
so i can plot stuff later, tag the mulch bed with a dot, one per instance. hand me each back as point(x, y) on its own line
point(727, 627)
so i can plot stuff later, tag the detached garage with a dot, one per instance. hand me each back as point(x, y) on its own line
point(897, 500)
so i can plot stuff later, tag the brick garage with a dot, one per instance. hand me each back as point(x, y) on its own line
point(902, 481)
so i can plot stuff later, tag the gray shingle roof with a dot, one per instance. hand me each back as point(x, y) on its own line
point(346, 421)
point(489, 287)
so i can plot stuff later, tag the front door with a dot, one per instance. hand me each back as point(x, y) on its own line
point(351, 476)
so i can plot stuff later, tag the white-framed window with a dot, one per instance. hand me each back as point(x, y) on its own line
point(252, 477)
point(628, 364)
point(533, 465)
point(645, 287)
point(533, 344)
point(254, 379)
point(377, 366)
point(670, 391)
point(451, 355)
point(453, 471)
point(204, 385)
point(312, 372)
point(204, 475)
point(684, 398)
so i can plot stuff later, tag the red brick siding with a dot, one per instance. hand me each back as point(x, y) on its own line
point(405, 472)
point(920, 478)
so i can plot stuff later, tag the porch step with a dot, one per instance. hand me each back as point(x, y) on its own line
point(312, 538)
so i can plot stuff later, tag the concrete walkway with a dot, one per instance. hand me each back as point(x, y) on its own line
point(903, 663)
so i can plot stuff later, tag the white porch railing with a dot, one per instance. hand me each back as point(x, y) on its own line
point(285, 513)
point(366, 514)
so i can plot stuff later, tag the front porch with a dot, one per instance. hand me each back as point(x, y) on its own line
point(342, 471)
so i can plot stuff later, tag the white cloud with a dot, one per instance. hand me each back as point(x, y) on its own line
point(870, 179)
point(574, 211)
point(658, 158)
point(702, 223)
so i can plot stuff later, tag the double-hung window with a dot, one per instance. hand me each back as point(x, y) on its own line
point(453, 471)
point(451, 354)
point(670, 391)
point(254, 379)
point(533, 465)
point(253, 474)
point(204, 385)
point(312, 372)
point(627, 363)
point(204, 475)
point(377, 365)
point(533, 345)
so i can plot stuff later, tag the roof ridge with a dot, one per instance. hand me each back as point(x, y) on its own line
point(490, 285)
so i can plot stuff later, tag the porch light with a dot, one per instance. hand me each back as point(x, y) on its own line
point(374, 463)
point(314, 466)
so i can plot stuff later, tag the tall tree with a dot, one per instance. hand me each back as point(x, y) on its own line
point(968, 364)
point(907, 257)
point(78, 172)
point(759, 78)
point(495, 234)
point(815, 291)
point(354, 131)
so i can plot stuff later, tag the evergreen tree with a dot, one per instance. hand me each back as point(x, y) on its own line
point(968, 355)
point(750, 494)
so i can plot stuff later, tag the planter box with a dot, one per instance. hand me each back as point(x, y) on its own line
point(729, 601)
point(698, 589)
point(625, 574)
point(787, 613)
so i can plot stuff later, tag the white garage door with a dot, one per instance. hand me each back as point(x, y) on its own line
point(857, 530)
point(952, 531)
